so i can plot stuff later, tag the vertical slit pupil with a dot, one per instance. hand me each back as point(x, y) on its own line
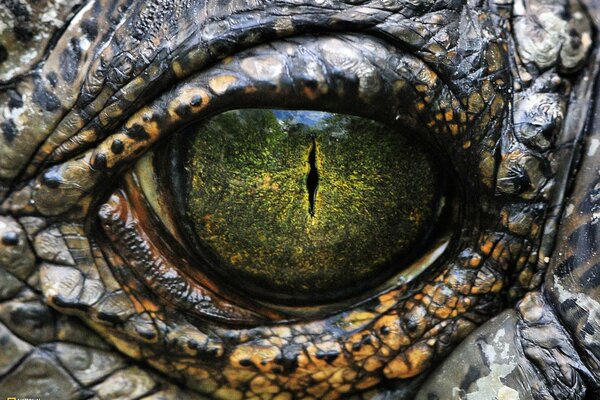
point(312, 180)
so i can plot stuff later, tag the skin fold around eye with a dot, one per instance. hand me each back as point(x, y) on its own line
point(161, 265)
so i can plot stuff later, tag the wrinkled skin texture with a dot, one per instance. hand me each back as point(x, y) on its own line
point(92, 305)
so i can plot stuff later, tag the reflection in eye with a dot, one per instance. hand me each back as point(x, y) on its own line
point(302, 206)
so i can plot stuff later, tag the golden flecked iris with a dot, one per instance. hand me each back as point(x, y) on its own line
point(306, 205)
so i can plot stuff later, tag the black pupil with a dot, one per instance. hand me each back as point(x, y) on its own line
point(312, 181)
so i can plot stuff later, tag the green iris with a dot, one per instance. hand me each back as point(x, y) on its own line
point(306, 205)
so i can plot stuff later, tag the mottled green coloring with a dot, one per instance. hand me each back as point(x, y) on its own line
point(249, 201)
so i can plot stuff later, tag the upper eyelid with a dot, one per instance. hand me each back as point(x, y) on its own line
point(94, 102)
point(115, 77)
point(210, 91)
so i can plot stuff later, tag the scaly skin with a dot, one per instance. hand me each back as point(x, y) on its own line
point(93, 302)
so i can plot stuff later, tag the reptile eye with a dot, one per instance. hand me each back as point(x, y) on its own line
point(297, 206)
